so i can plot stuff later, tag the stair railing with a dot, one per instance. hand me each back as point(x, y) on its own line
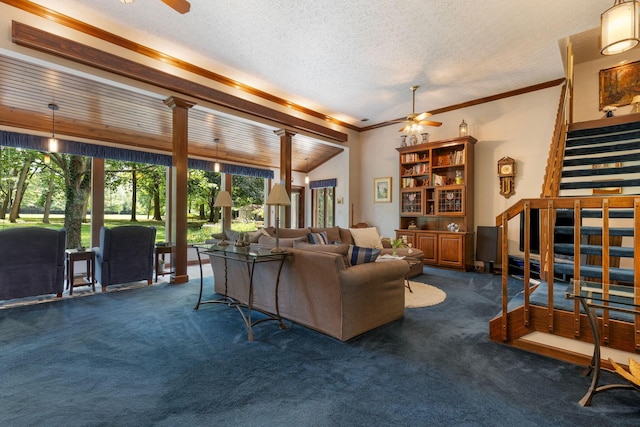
point(548, 213)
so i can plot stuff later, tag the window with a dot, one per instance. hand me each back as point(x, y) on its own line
point(323, 206)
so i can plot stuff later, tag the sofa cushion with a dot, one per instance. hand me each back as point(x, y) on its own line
point(359, 255)
point(285, 242)
point(341, 249)
point(333, 233)
point(345, 236)
point(318, 238)
point(366, 237)
point(288, 232)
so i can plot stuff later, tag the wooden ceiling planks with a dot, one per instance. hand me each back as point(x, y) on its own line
point(95, 110)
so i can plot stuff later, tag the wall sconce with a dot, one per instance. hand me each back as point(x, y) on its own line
point(53, 142)
point(216, 165)
point(463, 128)
point(619, 30)
point(306, 177)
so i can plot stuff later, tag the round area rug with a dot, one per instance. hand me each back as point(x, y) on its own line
point(423, 295)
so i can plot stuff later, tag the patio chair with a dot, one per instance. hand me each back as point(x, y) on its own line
point(125, 255)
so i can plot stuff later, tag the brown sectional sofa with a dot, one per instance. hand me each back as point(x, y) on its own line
point(318, 289)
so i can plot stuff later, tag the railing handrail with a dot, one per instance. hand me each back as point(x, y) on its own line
point(550, 206)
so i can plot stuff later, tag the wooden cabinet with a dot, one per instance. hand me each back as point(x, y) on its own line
point(436, 193)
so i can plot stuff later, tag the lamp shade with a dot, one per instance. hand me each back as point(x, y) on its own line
point(223, 200)
point(278, 196)
point(619, 27)
point(636, 99)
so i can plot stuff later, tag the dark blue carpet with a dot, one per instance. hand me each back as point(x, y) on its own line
point(145, 357)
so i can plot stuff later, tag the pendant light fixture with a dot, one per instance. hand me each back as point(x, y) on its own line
point(619, 30)
point(216, 165)
point(53, 142)
point(306, 177)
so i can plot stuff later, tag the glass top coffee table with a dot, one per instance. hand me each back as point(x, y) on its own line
point(252, 256)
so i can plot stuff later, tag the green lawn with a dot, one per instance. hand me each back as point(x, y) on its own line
point(198, 230)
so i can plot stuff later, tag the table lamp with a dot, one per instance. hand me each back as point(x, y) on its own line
point(223, 201)
point(278, 197)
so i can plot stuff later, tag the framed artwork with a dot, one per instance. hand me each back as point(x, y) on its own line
point(618, 85)
point(382, 190)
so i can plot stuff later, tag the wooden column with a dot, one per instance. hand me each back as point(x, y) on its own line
point(286, 137)
point(97, 200)
point(178, 174)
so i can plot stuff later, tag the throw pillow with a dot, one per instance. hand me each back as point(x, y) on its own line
point(366, 237)
point(318, 238)
point(359, 255)
point(333, 233)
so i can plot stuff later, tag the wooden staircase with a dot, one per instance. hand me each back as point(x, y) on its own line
point(589, 231)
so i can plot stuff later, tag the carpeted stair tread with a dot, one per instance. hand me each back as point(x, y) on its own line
point(600, 184)
point(567, 249)
point(590, 230)
point(602, 159)
point(599, 149)
point(615, 273)
point(602, 139)
point(589, 172)
point(595, 213)
point(623, 127)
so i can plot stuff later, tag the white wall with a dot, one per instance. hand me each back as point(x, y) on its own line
point(520, 127)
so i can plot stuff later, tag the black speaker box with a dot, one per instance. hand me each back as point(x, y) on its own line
point(489, 245)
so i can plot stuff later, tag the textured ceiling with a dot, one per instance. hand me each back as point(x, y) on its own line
point(357, 59)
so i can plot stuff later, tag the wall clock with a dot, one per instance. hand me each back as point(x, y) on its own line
point(506, 174)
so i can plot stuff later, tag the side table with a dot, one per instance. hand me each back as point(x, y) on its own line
point(73, 255)
point(162, 249)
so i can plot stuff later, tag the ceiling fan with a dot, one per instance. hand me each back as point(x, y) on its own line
point(181, 6)
point(414, 122)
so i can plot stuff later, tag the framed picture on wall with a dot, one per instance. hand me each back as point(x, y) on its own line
point(382, 190)
point(618, 85)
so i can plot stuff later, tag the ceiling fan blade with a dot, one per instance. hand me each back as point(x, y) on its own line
point(430, 123)
point(423, 116)
point(181, 6)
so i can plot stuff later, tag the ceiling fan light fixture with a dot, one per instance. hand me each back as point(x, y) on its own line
point(619, 27)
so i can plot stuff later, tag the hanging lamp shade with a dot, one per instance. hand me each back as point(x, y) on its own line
point(619, 30)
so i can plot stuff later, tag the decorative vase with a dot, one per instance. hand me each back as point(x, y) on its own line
point(425, 138)
point(404, 140)
point(413, 139)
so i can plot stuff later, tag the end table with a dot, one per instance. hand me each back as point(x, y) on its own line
point(73, 255)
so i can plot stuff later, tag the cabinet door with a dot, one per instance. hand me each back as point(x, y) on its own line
point(450, 200)
point(428, 244)
point(451, 250)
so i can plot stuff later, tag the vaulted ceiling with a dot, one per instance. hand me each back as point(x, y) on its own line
point(346, 61)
